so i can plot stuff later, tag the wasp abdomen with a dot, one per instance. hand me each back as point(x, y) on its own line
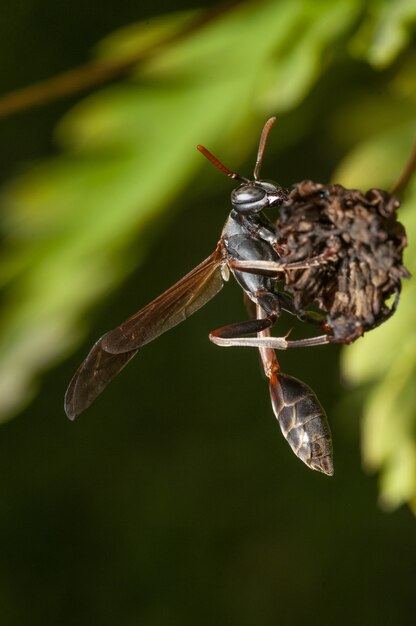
point(303, 421)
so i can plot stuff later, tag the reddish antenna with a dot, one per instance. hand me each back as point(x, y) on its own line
point(263, 140)
point(220, 165)
point(262, 145)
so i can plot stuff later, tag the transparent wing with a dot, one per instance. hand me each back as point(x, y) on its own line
point(172, 307)
point(116, 348)
point(92, 377)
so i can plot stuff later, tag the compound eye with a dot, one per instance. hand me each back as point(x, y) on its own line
point(247, 195)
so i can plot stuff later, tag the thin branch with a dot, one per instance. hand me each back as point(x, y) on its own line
point(406, 175)
point(98, 72)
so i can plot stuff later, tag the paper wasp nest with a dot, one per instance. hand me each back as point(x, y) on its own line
point(360, 243)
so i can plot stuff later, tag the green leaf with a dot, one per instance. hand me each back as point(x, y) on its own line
point(385, 359)
point(385, 32)
point(389, 441)
point(305, 52)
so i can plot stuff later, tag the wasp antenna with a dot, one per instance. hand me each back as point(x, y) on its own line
point(262, 145)
point(207, 154)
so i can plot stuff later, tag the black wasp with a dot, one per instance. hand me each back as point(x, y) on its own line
point(248, 248)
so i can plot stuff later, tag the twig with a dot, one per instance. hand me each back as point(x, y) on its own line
point(98, 72)
point(406, 175)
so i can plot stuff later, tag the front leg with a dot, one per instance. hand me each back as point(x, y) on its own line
point(274, 269)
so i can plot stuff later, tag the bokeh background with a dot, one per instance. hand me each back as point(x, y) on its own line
point(175, 500)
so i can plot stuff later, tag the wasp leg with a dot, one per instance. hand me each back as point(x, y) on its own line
point(228, 335)
point(271, 305)
point(226, 338)
point(301, 418)
point(274, 268)
point(310, 317)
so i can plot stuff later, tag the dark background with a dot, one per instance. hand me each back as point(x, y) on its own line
point(175, 500)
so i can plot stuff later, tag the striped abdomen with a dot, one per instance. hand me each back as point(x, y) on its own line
point(303, 421)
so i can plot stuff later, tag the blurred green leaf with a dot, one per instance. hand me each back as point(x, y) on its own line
point(290, 75)
point(377, 161)
point(389, 442)
point(386, 31)
point(385, 359)
point(139, 37)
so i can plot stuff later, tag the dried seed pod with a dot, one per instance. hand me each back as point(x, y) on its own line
point(360, 243)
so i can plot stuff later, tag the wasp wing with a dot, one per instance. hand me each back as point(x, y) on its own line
point(116, 348)
point(92, 377)
point(172, 307)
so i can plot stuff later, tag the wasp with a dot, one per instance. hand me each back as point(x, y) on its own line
point(260, 255)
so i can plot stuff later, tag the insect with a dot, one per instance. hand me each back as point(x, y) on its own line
point(251, 250)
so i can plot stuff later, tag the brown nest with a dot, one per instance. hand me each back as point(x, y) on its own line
point(355, 246)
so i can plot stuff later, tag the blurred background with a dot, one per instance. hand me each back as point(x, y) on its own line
point(175, 500)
